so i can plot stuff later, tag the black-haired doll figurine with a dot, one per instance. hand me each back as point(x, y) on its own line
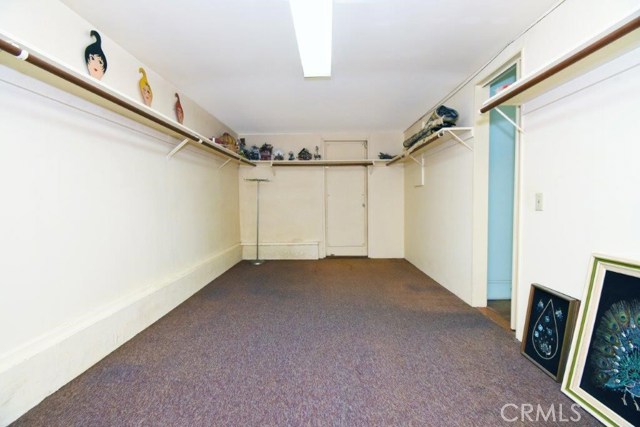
point(95, 58)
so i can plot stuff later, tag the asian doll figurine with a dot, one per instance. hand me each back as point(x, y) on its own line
point(145, 88)
point(95, 58)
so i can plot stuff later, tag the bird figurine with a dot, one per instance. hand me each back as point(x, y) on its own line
point(615, 351)
point(145, 88)
point(179, 110)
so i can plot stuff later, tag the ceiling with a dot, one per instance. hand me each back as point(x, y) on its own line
point(238, 59)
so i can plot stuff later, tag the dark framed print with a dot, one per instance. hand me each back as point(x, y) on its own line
point(548, 329)
point(603, 373)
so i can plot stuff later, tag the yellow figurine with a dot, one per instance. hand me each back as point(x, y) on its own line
point(145, 89)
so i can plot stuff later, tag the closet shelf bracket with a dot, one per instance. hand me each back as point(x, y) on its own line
point(178, 148)
point(224, 164)
point(421, 164)
point(507, 118)
point(457, 138)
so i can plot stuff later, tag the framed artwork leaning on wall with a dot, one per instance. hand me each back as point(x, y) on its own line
point(548, 329)
point(603, 374)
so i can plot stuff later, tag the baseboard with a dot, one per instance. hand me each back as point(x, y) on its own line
point(297, 250)
point(34, 371)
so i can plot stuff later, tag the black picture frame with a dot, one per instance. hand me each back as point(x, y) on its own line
point(548, 329)
point(604, 363)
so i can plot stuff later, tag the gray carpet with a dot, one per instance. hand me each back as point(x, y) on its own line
point(337, 342)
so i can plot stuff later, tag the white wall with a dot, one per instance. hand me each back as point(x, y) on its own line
point(589, 177)
point(577, 149)
point(586, 171)
point(438, 216)
point(101, 233)
point(292, 210)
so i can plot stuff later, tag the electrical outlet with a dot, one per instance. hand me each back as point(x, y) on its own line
point(539, 202)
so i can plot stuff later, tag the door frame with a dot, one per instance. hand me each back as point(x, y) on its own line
point(481, 196)
point(365, 144)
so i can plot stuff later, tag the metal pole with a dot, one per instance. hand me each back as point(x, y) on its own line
point(257, 261)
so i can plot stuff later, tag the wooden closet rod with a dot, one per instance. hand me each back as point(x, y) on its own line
point(69, 77)
point(570, 60)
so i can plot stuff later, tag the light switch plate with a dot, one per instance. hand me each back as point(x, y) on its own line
point(539, 202)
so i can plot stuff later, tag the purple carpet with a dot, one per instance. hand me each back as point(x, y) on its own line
point(336, 342)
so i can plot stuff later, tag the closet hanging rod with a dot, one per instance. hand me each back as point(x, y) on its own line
point(46, 65)
point(601, 42)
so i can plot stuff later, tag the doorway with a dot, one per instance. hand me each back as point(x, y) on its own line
point(502, 165)
point(346, 200)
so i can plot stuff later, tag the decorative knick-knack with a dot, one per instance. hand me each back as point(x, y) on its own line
point(145, 88)
point(242, 149)
point(291, 155)
point(95, 58)
point(265, 151)
point(304, 154)
point(179, 110)
point(228, 141)
point(254, 154)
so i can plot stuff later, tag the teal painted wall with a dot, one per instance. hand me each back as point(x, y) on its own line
point(501, 188)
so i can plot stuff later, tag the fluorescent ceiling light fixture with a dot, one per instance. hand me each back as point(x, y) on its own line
point(312, 22)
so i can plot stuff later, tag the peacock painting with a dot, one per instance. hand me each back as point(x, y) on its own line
point(615, 351)
point(604, 373)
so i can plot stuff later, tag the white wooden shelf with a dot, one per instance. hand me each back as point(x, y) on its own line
point(445, 134)
point(30, 62)
point(322, 163)
point(610, 44)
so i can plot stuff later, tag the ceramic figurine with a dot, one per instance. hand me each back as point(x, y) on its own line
point(145, 88)
point(229, 142)
point(95, 58)
point(254, 154)
point(317, 155)
point(278, 155)
point(291, 155)
point(242, 149)
point(265, 151)
point(304, 154)
point(179, 110)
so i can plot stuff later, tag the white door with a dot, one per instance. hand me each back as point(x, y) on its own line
point(346, 200)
